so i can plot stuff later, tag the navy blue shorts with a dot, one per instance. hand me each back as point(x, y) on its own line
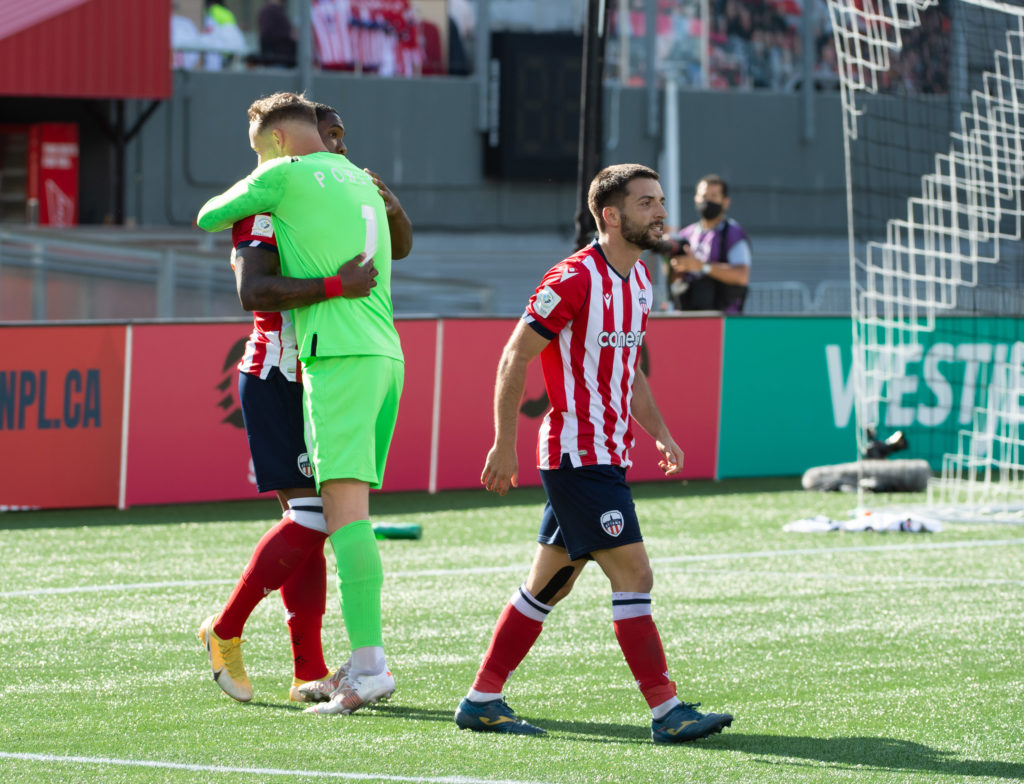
point(272, 412)
point(589, 508)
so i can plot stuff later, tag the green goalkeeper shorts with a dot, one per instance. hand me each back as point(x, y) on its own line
point(351, 404)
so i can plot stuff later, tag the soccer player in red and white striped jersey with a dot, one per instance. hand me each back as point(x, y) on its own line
point(587, 322)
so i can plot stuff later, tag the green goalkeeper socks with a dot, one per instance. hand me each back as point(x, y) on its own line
point(360, 578)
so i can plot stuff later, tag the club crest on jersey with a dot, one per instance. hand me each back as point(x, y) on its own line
point(645, 306)
point(545, 301)
point(305, 467)
point(612, 522)
point(262, 226)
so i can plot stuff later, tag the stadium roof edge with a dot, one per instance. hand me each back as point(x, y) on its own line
point(105, 49)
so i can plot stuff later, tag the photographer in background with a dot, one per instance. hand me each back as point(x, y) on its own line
point(709, 261)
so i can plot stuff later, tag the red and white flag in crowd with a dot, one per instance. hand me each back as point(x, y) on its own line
point(373, 35)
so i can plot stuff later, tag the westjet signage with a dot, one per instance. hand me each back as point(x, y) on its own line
point(929, 385)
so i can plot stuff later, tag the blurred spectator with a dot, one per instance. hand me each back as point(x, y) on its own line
point(277, 36)
point(184, 36)
point(461, 21)
point(222, 35)
point(758, 44)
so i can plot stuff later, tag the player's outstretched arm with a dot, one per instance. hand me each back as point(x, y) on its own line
point(260, 192)
point(399, 224)
point(501, 469)
point(647, 415)
point(261, 287)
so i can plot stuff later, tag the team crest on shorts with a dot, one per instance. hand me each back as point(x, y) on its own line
point(305, 467)
point(612, 522)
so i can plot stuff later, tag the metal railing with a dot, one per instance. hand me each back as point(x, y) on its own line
point(51, 279)
point(829, 298)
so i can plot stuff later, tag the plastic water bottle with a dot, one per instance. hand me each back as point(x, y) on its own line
point(397, 530)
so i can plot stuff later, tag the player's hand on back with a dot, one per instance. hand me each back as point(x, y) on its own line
point(391, 203)
point(357, 278)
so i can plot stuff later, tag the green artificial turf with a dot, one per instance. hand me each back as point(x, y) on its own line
point(844, 657)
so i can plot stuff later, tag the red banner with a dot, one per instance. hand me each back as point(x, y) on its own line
point(61, 416)
point(53, 172)
point(186, 440)
point(61, 390)
point(682, 358)
point(409, 458)
point(470, 353)
point(683, 361)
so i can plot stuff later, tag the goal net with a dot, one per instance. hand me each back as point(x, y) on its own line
point(933, 119)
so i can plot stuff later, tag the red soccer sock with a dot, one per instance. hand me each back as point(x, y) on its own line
point(641, 645)
point(304, 595)
point(514, 635)
point(281, 550)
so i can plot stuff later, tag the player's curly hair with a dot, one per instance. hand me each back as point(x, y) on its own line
point(322, 110)
point(608, 188)
point(281, 106)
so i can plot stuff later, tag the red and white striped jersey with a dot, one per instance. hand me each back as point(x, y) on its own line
point(272, 340)
point(596, 320)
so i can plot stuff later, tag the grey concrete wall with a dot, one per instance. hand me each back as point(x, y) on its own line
point(421, 136)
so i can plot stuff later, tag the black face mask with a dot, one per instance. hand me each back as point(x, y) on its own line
point(709, 210)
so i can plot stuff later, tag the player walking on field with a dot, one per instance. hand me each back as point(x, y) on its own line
point(290, 555)
point(324, 208)
point(587, 322)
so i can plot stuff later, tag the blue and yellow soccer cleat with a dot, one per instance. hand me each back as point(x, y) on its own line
point(493, 716)
point(684, 723)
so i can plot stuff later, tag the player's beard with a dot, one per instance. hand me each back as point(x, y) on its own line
point(638, 234)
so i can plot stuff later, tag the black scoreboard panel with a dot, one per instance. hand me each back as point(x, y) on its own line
point(534, 111)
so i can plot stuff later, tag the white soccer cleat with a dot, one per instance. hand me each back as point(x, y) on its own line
point(355, 691)
point(318, 691)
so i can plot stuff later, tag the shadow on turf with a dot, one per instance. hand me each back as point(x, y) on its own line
point(881, 753)
point(383, 504)
point(603, 733)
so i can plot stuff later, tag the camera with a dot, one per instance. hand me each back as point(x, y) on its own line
point(879, 450)
point(673, 247)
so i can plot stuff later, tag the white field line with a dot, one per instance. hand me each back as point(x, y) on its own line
point(468, 570)
point(835, 577)
point(310, 774)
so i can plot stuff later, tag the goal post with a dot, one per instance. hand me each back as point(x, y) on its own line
point(932, 95)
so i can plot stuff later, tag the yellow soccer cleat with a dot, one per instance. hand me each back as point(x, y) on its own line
point(318, 690)
point(226, 662)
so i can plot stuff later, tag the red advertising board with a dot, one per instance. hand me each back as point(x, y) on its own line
point(683, 361)
point(53, 173)
point(185, 440)
point(409, 459)
point(681, 356)
point(61, 390)
point(470, 352)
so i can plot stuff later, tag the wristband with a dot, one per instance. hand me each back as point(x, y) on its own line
point(706, 268)
point(332, 287)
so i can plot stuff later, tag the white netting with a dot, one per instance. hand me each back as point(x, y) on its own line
point(935, 184)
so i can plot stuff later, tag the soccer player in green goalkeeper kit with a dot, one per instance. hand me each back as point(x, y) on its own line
point(324, 208)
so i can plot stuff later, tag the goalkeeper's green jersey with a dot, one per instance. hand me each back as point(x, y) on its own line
point(326, 210)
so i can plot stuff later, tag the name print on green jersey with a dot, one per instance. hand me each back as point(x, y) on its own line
point(344, 176)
